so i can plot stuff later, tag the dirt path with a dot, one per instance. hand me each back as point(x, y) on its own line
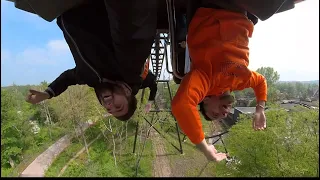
point(39, 166)
point(161, 165)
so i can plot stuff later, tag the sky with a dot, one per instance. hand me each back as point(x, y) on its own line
point(34, 50)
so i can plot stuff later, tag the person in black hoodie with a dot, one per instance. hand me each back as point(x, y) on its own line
point(109, 40)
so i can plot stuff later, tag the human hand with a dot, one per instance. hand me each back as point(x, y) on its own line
point(259, 121)
point(35, 96)
point(212, 154)
point(148, 107)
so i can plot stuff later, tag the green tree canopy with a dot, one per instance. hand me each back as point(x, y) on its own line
point(289, 147)
point(270, 74)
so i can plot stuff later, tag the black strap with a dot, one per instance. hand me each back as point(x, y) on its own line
point(192, 6)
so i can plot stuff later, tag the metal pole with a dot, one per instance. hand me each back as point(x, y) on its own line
point(135, 137)
point(157, 49)
point(160, 133)
point(148, 133)
point(166, 58)
point(137, 126)
point(177, 128)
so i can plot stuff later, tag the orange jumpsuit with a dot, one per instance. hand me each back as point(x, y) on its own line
point(218, 46)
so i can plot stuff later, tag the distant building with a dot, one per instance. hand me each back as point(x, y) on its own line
point(234, 114)
point(243, 102)
point(289, 106)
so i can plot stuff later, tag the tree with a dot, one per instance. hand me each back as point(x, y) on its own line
point(273, 94)
point(302, 90)
point(253, 103)
point(14, 127)
point(270, 74)
point(292, 91)
point(289, 147)
point(75, 107)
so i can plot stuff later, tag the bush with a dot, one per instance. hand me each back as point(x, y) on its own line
point(101, 163)
point(289, 147)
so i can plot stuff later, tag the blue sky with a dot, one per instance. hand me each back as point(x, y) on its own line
point(34, 50)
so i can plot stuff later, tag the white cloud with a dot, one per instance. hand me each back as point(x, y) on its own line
point(35, 63)
point(58, 46)
point(47, 55)
point(55, 52)
point(35, 56)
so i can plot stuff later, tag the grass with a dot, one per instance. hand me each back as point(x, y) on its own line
point(101, 162)
point(29, 155)
point(192, 163)
point(76, 145)
point(62, 159)
point(128, 160)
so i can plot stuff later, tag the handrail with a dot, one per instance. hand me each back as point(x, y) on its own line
point(167, 59)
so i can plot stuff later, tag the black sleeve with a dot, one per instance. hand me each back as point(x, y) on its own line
point(150, 82)
point(59, 85)
point(153, 91)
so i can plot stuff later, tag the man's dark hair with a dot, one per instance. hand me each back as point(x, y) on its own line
point(203, 112)
point(132, 100)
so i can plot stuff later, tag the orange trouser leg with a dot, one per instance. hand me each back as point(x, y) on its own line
point(218, 35)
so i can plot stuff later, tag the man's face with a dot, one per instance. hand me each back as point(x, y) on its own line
point(115, 101)
point(218, 107)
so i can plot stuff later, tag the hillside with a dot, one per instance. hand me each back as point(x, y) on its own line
point(305, 82)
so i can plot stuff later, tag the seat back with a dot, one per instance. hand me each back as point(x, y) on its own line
point(181, 18)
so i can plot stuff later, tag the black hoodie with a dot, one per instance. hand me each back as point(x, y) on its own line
point(108, 40)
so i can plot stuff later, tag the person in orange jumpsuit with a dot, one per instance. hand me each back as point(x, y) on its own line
point(218, 46)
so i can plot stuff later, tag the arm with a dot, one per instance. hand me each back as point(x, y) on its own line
point(59, 85)
point(150, 82)
point(153, 88)
point(258, 83)
point(191, 92)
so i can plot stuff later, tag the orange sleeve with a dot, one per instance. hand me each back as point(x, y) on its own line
point(146, 69)
point(258, 83)
point(191, 92)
